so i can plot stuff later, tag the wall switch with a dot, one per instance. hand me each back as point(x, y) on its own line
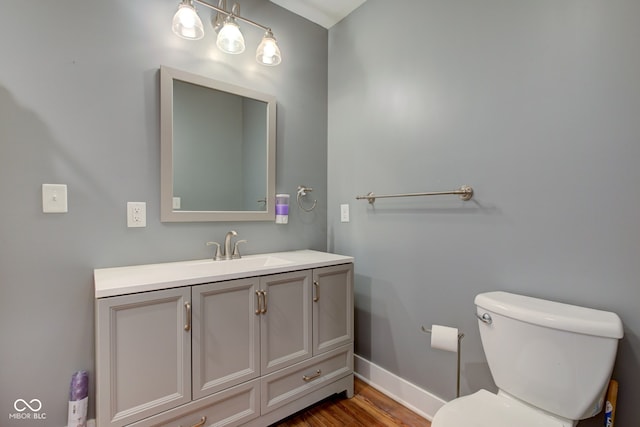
point(344, 213)
point(176, 203)
point(54, 198)
point(136, 214)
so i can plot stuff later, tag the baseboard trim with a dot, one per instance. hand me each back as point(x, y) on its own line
point(413, 397)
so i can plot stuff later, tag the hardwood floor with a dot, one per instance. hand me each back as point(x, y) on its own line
point(367, 408)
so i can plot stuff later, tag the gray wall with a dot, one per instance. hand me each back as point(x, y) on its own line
point(79, 105)
point(536, 104)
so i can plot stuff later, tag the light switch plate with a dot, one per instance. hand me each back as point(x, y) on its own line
point(344, 213)
point(54, 198)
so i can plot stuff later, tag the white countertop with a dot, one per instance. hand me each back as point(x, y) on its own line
point(152, 277)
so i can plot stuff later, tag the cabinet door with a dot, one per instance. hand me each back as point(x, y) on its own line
point(143, 355)
point(225, 335)
point(285, 324)
point(332, 307)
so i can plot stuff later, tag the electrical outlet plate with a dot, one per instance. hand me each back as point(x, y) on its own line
point(136, 214)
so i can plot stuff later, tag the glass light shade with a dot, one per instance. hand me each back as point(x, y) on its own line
point(230, 39)
point(187, 23)
point(268, 52)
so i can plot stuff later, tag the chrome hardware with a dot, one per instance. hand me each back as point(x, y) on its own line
point(465, 192)
point(217, 256)
point(264, 299)
point(236, 252)
point(460, 336)
point(259, 296)
point(187, 308)
point(227, 254)
point(200, 423)
point(485, 318)
point(316, 289)
point(312, 377)
point(227, 244)
point(302, 192)
point(262, 302)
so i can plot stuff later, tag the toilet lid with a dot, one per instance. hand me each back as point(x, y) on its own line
point(485, 409)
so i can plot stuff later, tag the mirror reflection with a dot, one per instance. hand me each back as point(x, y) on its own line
point(218, 150)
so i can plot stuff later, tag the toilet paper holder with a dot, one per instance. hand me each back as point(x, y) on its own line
point(460, 336)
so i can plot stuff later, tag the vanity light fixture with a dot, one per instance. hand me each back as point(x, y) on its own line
point(187, 24)
point(268, 52)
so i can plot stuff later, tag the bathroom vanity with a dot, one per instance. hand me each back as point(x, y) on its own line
point(238, 342)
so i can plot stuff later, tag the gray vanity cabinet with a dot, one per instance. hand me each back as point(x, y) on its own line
point(246, 351)
point(332, 307)
point(144, 355)
point(225, 335)
point(285, 324)
point(249, 327)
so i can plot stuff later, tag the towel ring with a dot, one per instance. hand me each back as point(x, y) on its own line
point(302, 192)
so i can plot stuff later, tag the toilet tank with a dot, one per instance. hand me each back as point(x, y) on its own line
point(554, 356)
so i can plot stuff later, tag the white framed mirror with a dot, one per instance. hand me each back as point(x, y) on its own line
point(218, 150)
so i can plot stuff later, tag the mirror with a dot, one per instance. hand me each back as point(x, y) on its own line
point(217, 150)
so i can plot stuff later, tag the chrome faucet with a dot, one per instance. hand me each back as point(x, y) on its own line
point(226, 253)
point(227, 244)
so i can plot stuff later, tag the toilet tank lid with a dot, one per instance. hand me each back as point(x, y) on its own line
point(552, 314)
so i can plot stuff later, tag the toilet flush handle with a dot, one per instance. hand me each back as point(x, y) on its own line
point(485, 318)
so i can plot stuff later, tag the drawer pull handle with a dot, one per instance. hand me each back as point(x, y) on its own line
point(312, 377)
point(200, 423)
point(187, 307)
point(316, 288)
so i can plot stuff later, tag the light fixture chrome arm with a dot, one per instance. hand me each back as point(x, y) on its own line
point(232, 14)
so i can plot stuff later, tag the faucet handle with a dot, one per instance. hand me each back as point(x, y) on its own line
point(236, 252)
point(218, 255)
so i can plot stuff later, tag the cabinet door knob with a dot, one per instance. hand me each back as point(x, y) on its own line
point(187, 308)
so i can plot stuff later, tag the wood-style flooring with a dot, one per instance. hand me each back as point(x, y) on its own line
point(367, 408)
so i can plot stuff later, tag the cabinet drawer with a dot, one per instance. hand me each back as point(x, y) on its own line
point(288, 384)
point(231, 407)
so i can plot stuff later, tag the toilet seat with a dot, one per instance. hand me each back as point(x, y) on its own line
point(485, 409)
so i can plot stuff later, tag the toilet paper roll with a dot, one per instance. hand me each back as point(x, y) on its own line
point(444, 338)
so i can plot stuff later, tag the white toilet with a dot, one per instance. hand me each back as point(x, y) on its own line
point(551, 362)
